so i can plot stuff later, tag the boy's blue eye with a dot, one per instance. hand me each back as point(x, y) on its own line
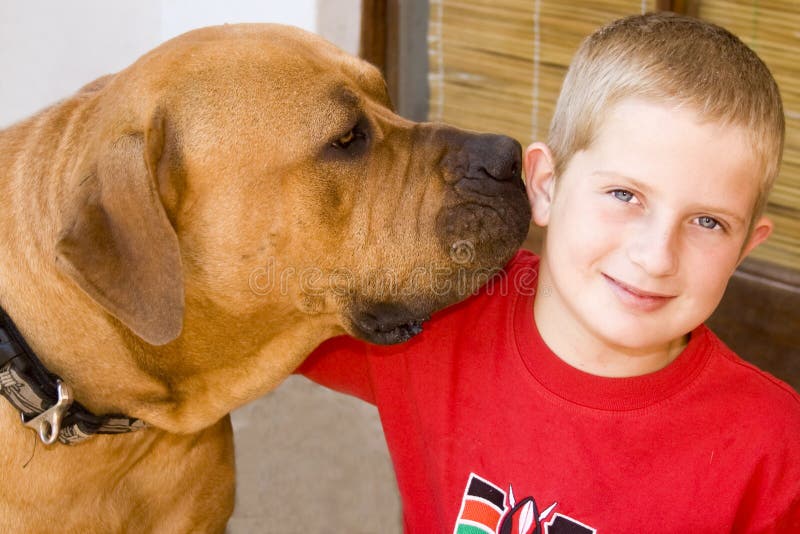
point(621, 194)
point(708, 222)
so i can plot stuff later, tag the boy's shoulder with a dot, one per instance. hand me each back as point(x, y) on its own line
point(752, 377)
point(499, 295)
point(518, 277)
point(748, 392)
point(523, 260)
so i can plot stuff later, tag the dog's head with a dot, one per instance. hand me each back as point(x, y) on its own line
point(257, 169)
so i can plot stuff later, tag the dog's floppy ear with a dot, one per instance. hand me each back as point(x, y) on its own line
point(117, 243)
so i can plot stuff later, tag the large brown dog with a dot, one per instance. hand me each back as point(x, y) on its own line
point(177, 237)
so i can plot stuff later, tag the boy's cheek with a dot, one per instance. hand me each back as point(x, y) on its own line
point(595, 222)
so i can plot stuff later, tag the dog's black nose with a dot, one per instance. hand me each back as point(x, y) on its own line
point(486, 206)
point(493, 156)
point(486, 164)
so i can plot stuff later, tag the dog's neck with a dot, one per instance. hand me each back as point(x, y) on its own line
point(217, 364)
point(250, 356)
point(44, 401)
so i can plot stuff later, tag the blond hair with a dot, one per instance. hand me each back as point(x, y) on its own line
point(675, 60)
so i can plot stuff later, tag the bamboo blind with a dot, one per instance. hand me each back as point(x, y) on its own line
point(497, 65)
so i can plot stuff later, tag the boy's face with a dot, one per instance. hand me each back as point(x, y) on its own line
point(644, 230)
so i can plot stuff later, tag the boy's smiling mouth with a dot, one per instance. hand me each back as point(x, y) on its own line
point(635, 298)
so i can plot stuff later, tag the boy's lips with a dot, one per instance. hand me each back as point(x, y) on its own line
point(636, 298)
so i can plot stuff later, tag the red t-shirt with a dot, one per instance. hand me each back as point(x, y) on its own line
point(489, 431)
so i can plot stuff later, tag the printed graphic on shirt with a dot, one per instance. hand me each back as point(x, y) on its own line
point(487, 509)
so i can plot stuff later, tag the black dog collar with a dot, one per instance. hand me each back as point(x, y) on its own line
point(43, 399)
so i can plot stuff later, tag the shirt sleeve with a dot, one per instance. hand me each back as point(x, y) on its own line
point(341, 364)
point(771, 503)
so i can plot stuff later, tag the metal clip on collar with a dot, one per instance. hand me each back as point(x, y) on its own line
point(48, 423)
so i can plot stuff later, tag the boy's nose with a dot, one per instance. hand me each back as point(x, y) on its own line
point(654, 250)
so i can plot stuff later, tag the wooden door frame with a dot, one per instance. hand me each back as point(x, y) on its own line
point(394, 37)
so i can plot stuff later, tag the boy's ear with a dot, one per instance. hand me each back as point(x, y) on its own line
point(761, 231)
point(539, 181)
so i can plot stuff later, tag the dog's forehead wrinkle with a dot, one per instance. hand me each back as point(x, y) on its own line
point(378, 128)
point(384, 120)
point(344, 96)
point(373, 82)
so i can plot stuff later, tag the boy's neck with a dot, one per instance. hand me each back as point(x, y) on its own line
point(577, 347)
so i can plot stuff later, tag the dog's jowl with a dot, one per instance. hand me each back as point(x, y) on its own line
point(178, 236)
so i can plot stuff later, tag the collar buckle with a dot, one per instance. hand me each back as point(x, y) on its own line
point(48, 423)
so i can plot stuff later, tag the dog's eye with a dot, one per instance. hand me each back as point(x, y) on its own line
point(350, 138)
point(345, 140)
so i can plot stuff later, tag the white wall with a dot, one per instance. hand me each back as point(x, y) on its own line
point(50, 48)
point(179, 16)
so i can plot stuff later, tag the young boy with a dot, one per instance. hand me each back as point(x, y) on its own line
point(581, 392)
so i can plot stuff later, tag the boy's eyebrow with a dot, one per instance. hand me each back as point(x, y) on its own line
point(641, 186)
point(722, 211)
point(646, 189)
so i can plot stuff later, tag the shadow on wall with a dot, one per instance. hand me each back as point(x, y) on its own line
point(309, 460)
